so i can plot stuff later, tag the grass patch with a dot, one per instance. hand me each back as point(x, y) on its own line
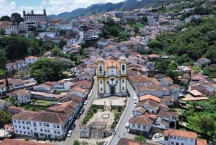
point(92, 110)
point(44, 102)
point(34, 108)
point(196, 68)
point(117, 115)
point(2, 72)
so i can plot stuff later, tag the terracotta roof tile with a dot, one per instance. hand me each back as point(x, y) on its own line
point(151, 97)
point(180, 133)
point(21, 142)
point(141, 120)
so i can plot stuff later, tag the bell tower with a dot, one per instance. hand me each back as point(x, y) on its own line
point(100, 67)
point(123, 65)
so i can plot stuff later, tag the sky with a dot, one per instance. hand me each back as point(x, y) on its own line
point(52, 6)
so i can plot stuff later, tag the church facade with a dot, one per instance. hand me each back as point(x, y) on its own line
point(112, 77)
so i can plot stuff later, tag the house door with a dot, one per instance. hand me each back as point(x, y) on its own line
point(112, 90)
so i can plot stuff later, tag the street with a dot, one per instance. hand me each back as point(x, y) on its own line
point(121, 131)
point(78, 122)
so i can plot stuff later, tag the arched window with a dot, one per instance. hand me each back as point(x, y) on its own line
point(100, 69)
point(123, 68)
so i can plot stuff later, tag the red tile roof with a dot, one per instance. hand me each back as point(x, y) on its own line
point(201, 142)
point(21, 142)
point(151, 97)
point(180, 133)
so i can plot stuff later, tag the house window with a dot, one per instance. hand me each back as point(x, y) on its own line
point(100, 81)
point(133, 125)
point(122, 81)
point(122, 88)
point(138, 126)
point(57, 126)
point(182, 143)
point(191, 140)
point(144, 127)
point(178, 138)
point(172, 143)
point(101, 89)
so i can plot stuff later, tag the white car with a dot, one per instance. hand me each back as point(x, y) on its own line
point(127, 125)
point(158, 135)
point(135, 101)
point(86, 102)
point(69, 133)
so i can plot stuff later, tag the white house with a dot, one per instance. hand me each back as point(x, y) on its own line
point(16, 84)
point(3, 89)
point(73, 48)
point(9, 28)
point(50, 34)
point(140, 124)
point(40, 124)
point(22, 96)
point(78, 91)
point(19, 64)
point(203, 61)
point(138, 111)
point(181, 137)
point(60, 85)
point(53, 123)
point(31, 59)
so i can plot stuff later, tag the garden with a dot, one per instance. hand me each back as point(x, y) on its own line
point(201, 117)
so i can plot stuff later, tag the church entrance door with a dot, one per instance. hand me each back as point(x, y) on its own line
point(112, 90)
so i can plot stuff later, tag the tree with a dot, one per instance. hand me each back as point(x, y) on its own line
point(172, 65)
point(76, 142)
point(16, 18)
point(16, 48)
point(5, 117)
point(140, 138)
point(155, 44)
point(210, 71)
point(3, 58)
point(47, 69)
point(2, 31)
point(206, 123)
point(5, 18)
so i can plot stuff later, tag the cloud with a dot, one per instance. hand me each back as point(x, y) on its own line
point(52, 6)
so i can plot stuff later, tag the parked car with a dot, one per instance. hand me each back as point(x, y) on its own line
point(81, 111)
point(135, 101)
point(78, 116)
point(69, 133)
point(86, 102)
point(158, 135)
point(73, 126)
point(127, 125)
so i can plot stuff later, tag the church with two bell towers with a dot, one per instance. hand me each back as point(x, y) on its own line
point(112, 77)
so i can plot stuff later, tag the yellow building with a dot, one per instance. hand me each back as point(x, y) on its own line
point(112, 77)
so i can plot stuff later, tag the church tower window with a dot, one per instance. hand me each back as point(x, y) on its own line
point(123, 68)
point(100, 69)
